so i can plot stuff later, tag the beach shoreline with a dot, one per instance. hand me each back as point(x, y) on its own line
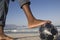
point(26, 36)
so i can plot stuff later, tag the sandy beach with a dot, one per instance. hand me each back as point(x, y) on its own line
point(26, 36)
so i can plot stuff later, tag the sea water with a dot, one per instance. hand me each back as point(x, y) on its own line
point(26, 30)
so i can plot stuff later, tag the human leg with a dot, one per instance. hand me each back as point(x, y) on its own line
point(32, 21)
point(3, 14)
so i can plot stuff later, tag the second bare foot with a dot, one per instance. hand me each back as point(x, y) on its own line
point(5, 37)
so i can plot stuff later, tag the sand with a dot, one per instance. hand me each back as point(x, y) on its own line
point(26, 36)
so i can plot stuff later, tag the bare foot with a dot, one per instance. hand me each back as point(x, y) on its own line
point(5, 37)
point(37, 23)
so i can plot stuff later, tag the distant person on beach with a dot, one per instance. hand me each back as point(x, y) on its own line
point(24, 4)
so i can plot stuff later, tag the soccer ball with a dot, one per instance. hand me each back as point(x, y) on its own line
point(48, 32)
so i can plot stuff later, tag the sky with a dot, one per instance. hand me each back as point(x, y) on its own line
point(41, 9)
